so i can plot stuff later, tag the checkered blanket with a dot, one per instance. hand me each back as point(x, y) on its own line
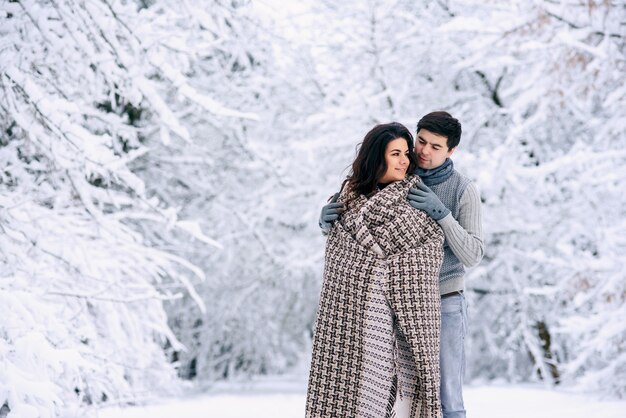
point(376, 341)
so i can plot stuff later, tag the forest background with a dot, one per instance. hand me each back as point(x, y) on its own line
point(163, 164)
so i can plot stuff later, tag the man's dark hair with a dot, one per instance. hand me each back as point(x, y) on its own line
point(442, 123)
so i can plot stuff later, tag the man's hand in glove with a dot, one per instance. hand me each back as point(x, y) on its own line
point(425, 199)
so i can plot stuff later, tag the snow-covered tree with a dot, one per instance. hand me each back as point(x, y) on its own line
point(550, 159)
point(85, 86)
point(240, 181)
point(164, 163)
point(538, 87)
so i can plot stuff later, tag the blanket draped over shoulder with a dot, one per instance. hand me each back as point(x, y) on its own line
point(376, 338)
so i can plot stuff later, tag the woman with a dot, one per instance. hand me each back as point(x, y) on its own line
point(376, 343)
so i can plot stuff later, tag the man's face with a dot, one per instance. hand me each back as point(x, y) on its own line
point(431, 149)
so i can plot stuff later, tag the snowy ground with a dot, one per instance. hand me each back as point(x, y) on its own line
point(284, 398)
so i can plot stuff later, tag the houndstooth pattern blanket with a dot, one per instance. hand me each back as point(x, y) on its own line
point(376, 341)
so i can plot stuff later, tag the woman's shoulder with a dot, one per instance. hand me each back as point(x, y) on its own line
point(345, 192)
point(411, 180)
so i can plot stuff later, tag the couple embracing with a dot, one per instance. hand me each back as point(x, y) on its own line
point(391, 322)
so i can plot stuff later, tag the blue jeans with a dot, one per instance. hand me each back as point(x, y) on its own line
point(452, 357)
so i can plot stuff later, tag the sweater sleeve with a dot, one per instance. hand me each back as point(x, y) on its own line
point(464, 235)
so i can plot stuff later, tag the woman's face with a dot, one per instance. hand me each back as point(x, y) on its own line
point(397, 159)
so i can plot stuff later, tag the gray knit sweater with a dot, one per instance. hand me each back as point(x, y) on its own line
point(463, 246)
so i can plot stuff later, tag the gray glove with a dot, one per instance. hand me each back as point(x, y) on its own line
point(425, 199)
point(331, 212)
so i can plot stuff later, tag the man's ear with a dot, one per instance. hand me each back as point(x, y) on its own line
point(451, 151)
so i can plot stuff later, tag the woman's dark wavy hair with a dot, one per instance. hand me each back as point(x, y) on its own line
point(369, 165)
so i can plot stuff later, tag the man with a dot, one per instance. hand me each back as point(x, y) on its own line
point(454, 202)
